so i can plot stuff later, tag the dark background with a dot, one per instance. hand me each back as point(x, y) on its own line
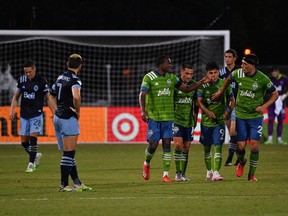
point(255, 24)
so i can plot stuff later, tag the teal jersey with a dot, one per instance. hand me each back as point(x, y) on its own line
point(183, 104)
point(160, 95)
point(251, 91)
point(217, 107)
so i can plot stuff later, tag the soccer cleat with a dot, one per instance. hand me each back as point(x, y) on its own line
point(67, 188)
point(82, 187)
point(37, 161)
point(166, 179)
point(240, 168)
point(178, 177)
point(281, 142)
point(228, 163)
point(251, 177)
point(30, 168)
point(268, 142)
point(216, 176)
point(146, 171)
point(185, 178)
point(209, 175)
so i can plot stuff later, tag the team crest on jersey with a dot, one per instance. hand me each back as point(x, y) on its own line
point(169, 82)
point(36, 88)
point(255, 85)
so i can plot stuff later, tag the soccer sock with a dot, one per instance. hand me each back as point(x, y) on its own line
point(241, 155)
point(232, 148)
point(26, 146)
point(33, 149)
point(254, 158)
point(184, 161)
point(66, 165)
point(149, 153)
point(73, 172)
point(207, 157)
point(269, 138)
point(217, 157)
point(178, 158)
point(166, 157)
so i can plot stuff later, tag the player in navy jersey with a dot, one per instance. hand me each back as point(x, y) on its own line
point(277, 109)
point(230, 58)
point(67, 91)
point(32, 88)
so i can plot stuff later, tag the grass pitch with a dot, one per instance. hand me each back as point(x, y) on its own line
point(114, 173)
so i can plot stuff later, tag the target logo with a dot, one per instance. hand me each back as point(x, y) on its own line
point(125, 126)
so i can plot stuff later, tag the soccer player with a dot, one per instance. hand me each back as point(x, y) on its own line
point(250, 105)
point(156, 100)
point(230, 58)
point(214, 114)
point(185, 119)
point(67, 91)
point(32, 88)
point(277, 109)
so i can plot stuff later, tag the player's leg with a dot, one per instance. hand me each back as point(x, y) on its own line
point(271, 118)
point(232, 146)
point(166, 134)
point(242, 136)
point(153, 137)
point(218, 140)
point(280, 118)
point(255, 133)
point(187, 139)
point(178, 146)
point(206, 139)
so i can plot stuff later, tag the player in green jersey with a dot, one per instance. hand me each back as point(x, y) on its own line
point(214, 115)
point(250, 105)
point(156, 100)
point(185, 120)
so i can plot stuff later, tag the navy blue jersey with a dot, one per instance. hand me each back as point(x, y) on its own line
point(224, 73)
point(63, 92)
point(32, 95)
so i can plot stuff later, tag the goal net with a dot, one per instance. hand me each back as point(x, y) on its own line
point(114, 65)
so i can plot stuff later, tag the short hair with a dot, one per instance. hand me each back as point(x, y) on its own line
point(187, 65)
point(29, 63)
point(232, 51)
point(161, 59)
point(74, 61)
point(275, 68)
point(212, 66)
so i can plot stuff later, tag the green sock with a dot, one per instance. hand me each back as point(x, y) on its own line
point(207, 157)
point(184, 161)
point(177, 159)
point(148, 156)
point(217, 157)
point(166, 157)
point(254, 158)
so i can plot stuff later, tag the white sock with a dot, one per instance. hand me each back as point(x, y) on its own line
point(269, 138)
point(165, 173)
point(279, 139)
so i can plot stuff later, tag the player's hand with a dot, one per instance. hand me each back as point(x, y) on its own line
point(144, 116)
point(206, 79)
point(77, 113)
point(12, 115)
point(216, 95)
point(260, 109)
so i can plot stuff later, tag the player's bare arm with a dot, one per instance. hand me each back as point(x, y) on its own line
point(194, 86)
point(76, 101)
point(142, 102)
point(218, 94)
point(208, 112)
point(14, 103)
point(273, 97)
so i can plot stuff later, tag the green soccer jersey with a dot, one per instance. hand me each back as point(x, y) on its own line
point(160, 96)
point(217, 107)
point(183, 104)
point(251, 91)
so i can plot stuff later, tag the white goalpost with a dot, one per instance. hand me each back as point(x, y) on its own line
point(114, 65)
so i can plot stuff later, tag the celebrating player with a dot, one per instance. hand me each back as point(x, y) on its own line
point(250, 105)
point(156, 100)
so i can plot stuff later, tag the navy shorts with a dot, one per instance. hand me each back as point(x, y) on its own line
point(159, 130)
point(212, 135)
point(185, 133)
point(249, 128)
